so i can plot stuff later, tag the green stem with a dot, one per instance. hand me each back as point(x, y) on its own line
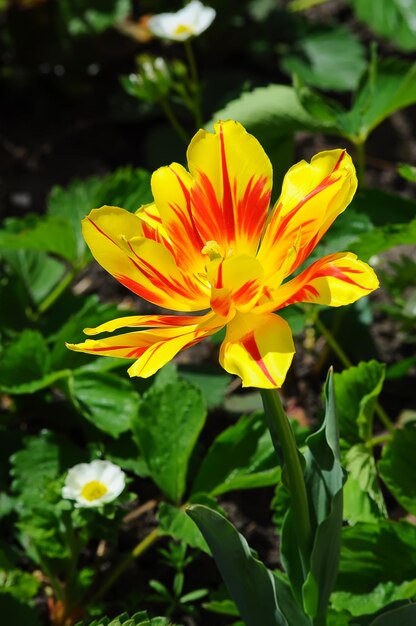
point(57, 291)
point(174, 121)
point(333, 343)
point(360, 161)
point(141, 547)
point(285, 446)
point(195, 82)
point(303, 5)
point(379, 440)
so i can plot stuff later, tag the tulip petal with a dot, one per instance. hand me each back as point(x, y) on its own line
point(232, 184)
point(152, 348)
point(235, 281)
point(313, 195)
point(171, 191)
point(259, 349)
point(334, 280)
point(146, 267)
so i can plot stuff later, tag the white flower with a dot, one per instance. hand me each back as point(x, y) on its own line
point(93, 484)
point(188, 22)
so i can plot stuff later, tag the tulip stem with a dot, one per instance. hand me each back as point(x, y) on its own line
point(56, 292)
point(116, 572)
point(303, 5)
point(334, 345)
point(195, 83)
point(290, 457)
point(174, 121)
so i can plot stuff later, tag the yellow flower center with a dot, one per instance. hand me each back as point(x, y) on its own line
point(213, 250)
point(183, 28)
point(93, 490)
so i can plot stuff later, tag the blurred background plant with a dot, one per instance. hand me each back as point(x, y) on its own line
point(91, 103)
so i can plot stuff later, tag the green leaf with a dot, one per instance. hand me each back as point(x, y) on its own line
point(389, 87)
point(50, 234)
point(138, 619)
point(24, 360)
point(174, 522)
point(392, 615)
point(397, 467)
point(324, 479)
point(384, 238)
point(19, 584)
point(327, 58)
point(92, 313)
point(106, 400)
point(124, 452)
point(212, 382)
point(394, 19)
point(407, 171)
point(363, 499)
point(166, 429)
point(379, 597)
point(288, 605)
point(83, 18)
point(241, 457)
point(249, 583)
point(126, 187)
point(223, 607)
point(375, 553)
point(356, 391)
point(37, 272)
point(41, 461)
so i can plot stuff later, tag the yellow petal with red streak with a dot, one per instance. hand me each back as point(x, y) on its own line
point(171, 191)
point(151, 348)
point(313, 195)
point(143, 321)
point(237, 280)
point(152, 224)
point(232, 185)
point(259, 349)
point(146, 267)
point(334, 280)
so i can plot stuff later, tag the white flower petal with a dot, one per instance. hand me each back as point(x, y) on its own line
point(111, 477)
point(188, 22)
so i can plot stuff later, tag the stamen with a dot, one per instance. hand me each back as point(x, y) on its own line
point(93, 490)
point(213, 250)
point(183, 28)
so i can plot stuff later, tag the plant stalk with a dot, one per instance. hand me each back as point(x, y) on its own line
point(177, 127)
point(140, 548)
point(195, 83)
point(56, 292)
point(285, 446)
point(333, 343)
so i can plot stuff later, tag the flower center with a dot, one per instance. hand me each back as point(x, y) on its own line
point(94, 490)
point(183, 28)
point(213, 250)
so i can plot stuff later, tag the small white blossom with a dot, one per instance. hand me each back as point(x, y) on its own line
point(188, 22)
point(93, 484)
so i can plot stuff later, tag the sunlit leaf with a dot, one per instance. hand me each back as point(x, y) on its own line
point(250, 584)
point(106, 400)
point(166, 429)
point(331, 58)
point(241, 457)
point(394, 19)
point(397, 467)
